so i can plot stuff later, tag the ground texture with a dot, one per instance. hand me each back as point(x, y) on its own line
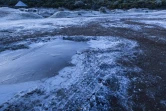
point(124, 68)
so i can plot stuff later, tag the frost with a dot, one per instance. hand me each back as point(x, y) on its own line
point(97, 80)
point(161, 23)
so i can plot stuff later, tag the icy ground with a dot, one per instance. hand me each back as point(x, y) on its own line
point(27, 25)
point(96, 78)
point(123, 68)
point(41, 60)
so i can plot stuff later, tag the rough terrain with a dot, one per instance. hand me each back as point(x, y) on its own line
point(124, 67)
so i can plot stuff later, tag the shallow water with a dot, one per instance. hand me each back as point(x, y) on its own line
point(42, 60)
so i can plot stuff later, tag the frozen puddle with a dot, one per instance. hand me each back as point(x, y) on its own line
point(42, 60)
point(97, 81)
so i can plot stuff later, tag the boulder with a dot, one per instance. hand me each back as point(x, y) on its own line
point(102, 10)
point(79, 4)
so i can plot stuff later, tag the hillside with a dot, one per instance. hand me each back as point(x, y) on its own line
point(90, 4)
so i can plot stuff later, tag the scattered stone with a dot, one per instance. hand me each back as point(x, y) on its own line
point(79, 4)
point(102, 10)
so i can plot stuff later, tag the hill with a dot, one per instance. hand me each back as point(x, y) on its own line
point(90, 4)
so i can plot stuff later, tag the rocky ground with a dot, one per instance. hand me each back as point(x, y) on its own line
point(123, 69)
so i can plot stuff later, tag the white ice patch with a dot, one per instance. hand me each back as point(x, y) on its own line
point(120, 24)
point(115, 43)
point(103, 44)
point(160, 23)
